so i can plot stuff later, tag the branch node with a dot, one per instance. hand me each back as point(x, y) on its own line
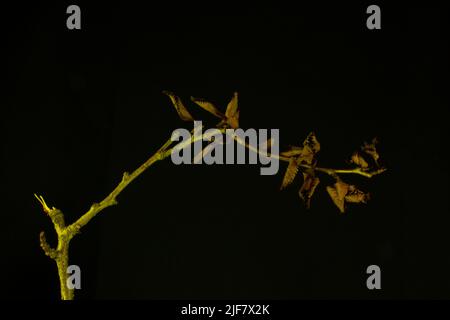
point(125, 176)
point(73, 229)
point(160, 155)
point(95, 205)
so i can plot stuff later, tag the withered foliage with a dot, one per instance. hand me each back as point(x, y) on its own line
point(300, 158)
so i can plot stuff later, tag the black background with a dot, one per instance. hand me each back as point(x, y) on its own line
point(80, 107)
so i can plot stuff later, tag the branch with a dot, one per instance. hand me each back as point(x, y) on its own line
point(329, 171)
point(358, 171)
point(65, 233)
point(61, 254)
point(127, 178)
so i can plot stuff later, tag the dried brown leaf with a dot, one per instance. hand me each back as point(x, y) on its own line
point(311, 146)
point(342, 192)
point(341, 188)
point(208, 106)
point(338, 193)
point(358, 159)
point(312, 143)
point(232, 107)
point(371, 150)
point(308, 187)
point(356, 196)
point(232, 112)
point(339, 202)
point(290, 174)
point(234, 121)
point(179, 106)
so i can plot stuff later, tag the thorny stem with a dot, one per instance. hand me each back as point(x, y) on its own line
point(65, 233)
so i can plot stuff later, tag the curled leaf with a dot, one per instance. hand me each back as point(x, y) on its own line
point(371, 150)
point(231, 116)
point(232, 107)
point(233, 122)
point(339, 202)
point(305, 154)
point(356, 196)
point(208, 106)
point(290, 174)
point(342, 192)
point(312, 143)
point(232, 112)
point(311, 147)
point(179, 106)
point(359, 160)
point(308, 187)
point(341, 188)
